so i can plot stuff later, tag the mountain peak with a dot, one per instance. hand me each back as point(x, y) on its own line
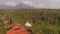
point(25, 6)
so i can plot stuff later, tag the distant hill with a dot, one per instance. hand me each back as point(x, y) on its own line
point(25, 6)
point(21, 6)
point(5, 7)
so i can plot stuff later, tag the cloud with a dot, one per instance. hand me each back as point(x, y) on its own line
point(55, 4)
point(28, 2)
point(35, 3)
point(0, 3)
point(55, 0)
point(10, 3)
point(47, 3)
point(39, 6)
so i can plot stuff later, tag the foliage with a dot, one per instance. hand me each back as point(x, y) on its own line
point(44, 21)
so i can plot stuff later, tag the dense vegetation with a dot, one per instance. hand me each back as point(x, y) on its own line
point(44, 21)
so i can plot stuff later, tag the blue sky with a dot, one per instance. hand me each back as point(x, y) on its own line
point(35, 3)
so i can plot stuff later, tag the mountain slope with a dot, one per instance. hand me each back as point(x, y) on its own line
point(24, 6)
point(21, 6)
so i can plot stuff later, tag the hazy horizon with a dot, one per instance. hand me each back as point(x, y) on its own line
point(35, 3)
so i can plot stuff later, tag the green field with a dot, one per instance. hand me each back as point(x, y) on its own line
point(44, 21)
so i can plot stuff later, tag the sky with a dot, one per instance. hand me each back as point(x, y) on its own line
point(35, 3)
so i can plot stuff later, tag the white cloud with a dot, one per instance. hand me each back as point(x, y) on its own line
point(10, 3)
point(55, 3)
point(39, 6)
point(27, 2)
point(43, 4)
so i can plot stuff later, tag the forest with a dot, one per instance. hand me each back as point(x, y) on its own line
point(44, 21)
